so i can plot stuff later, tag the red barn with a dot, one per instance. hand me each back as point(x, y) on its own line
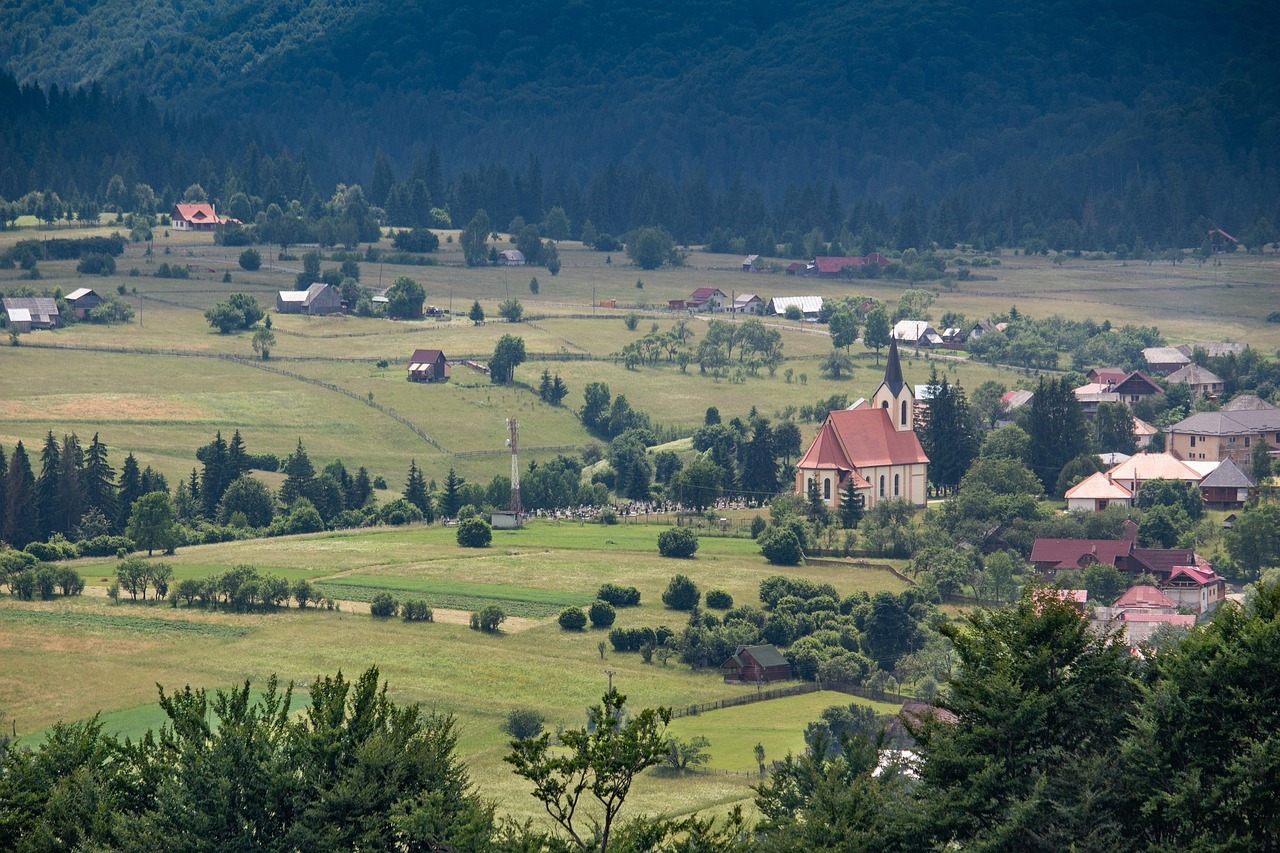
point(756, 664)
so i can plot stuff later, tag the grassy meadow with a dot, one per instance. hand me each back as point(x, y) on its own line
point(76, 657)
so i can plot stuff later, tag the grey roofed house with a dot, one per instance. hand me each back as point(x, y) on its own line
point(83, 301)
point(1230, 423)
point(810, 306)
point(1202, 380)
point(1223, 348)
point(1228, 475)
point(43, 310)
point(19, 319)
point(1166, 359)
point(1247, 403)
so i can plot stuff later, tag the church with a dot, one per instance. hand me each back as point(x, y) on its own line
point(873, 445)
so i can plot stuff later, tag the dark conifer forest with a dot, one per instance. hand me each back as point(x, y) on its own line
point(1072, 124)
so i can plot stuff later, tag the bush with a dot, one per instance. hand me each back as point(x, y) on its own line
point(104, 546)
point(488, 619)
point(718, 599)
point(677, 542)
point(96, 264)
point(757, 527)
point(781, 547)
point(619, 596)
point(602, 614)
point(524, 723)
point(573, 619)
point(681, 594)
point(53, 551)
point(608, 516)
point(250, 260)
point(416, 611)
point(384, 606)
point(474, 533)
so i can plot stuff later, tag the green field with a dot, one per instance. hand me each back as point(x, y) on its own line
point(776, 724)
point(84, 655)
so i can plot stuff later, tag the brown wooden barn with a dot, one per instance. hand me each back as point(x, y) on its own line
point(756, 664)
point(428, 365)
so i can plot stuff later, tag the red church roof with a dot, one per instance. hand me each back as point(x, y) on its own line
point(861, 438)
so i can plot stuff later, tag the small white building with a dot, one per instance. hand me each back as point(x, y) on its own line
point(917, 333)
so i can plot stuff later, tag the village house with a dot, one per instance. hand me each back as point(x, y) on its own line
point(874, 447)
point(709, 299)
point(1166, 360)
point(428, 365)
point(916, 333)
point(83, 301)
point(799, 268)
point(755, 665)
point(511, 258)
point(981, 327)
point(1049, 556)
point(753, 263)
point(318, 299)
point(1139, 612)
point(1215, 436)
point(33, 312)
point(1202, 381)
point(1227, 486)
point(747, 303)
point(810, 306)
point(1129, 389)
point(1195, 588)
point(194, 217)
point(1096, 493)
point(834, 267)
point(1141, 467)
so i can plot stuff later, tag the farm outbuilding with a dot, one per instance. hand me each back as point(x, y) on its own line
point(319, 298)
point(83, 301)
point(428, 365)
point(756, 664)
point(42, 311)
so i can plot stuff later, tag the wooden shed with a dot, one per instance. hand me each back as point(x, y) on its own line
point(428, 365)
point(83, 301)
point(755, 665)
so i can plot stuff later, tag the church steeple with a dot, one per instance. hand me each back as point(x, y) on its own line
point(893, 369)
point(894, 394)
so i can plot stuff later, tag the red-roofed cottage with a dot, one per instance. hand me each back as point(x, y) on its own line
point(428, 365)
point(194, 217)
point(874, 447)
point(1196, 587)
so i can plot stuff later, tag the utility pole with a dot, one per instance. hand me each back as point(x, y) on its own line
point(513, 427)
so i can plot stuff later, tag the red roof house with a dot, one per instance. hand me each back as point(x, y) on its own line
point(428, 365)
point(194, 217)
point(756, 664)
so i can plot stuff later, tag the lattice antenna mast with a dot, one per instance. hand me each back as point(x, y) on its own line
point(513, 427)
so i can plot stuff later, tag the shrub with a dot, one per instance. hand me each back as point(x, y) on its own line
point(417, 611)
point(573, 619)
point(781, 547)
point(608, 516)
point(718, 599)
point(677, 542)
point(474, 533)
point(602, 614)
point(681, 594)
point(51, 552)
point(104, 546)
point(488, 619)
point(619, 596)
point(96, 264)
point(757, 527)
point(384, 605)
point(524, 723)
point(250, 260)
point(632, 639)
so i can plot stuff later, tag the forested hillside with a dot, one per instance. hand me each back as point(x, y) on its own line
point(1084, 125)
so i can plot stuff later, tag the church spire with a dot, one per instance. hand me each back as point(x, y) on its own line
point(893, 369)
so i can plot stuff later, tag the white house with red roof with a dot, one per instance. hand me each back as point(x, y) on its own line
point(874, 447)
point(1198, 588)
point(194, 217)
point(1097, 492)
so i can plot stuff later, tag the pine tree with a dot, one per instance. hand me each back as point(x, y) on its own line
point(759, 466)
point(193, 488)
point(71, 502)
point(544, 387)
point(153, 481)
point(451, 500)
point(130, 490)
point(853, 505)
point(1056, 428)
point(299, 473)
point(47, 488)
point(559, 390)
point(361, 489)
point(4, 496)
point(216, 476)
point(237, 458)
point(21, 525)
point(947, 432)
point(99, 481)
point(415, 489)
point(817, 507)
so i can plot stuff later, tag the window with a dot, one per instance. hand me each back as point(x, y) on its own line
point(1193, 441)
point(903, 417)
point(895, 485)
point(1246, 440)
point(882, 485)
point(885, 404)
point(826, 489)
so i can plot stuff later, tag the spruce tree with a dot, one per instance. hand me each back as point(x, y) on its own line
point(361, 489)
point(947, 433)
point(299, 473)
point(153, 481)
point(47, 488)
point(1056, 428)
point(21, 525)
point(544, 387)
point(415, 488)
point(71, 504)
point(4, 495)
point(99, 481)
point(759, 466)
point(130, 490)
point(217, 474)
point(853, 505)
point(237, 458)
point(559, 390)
point(451, 500)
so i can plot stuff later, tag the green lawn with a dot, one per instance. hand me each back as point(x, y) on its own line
point(777, 724)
